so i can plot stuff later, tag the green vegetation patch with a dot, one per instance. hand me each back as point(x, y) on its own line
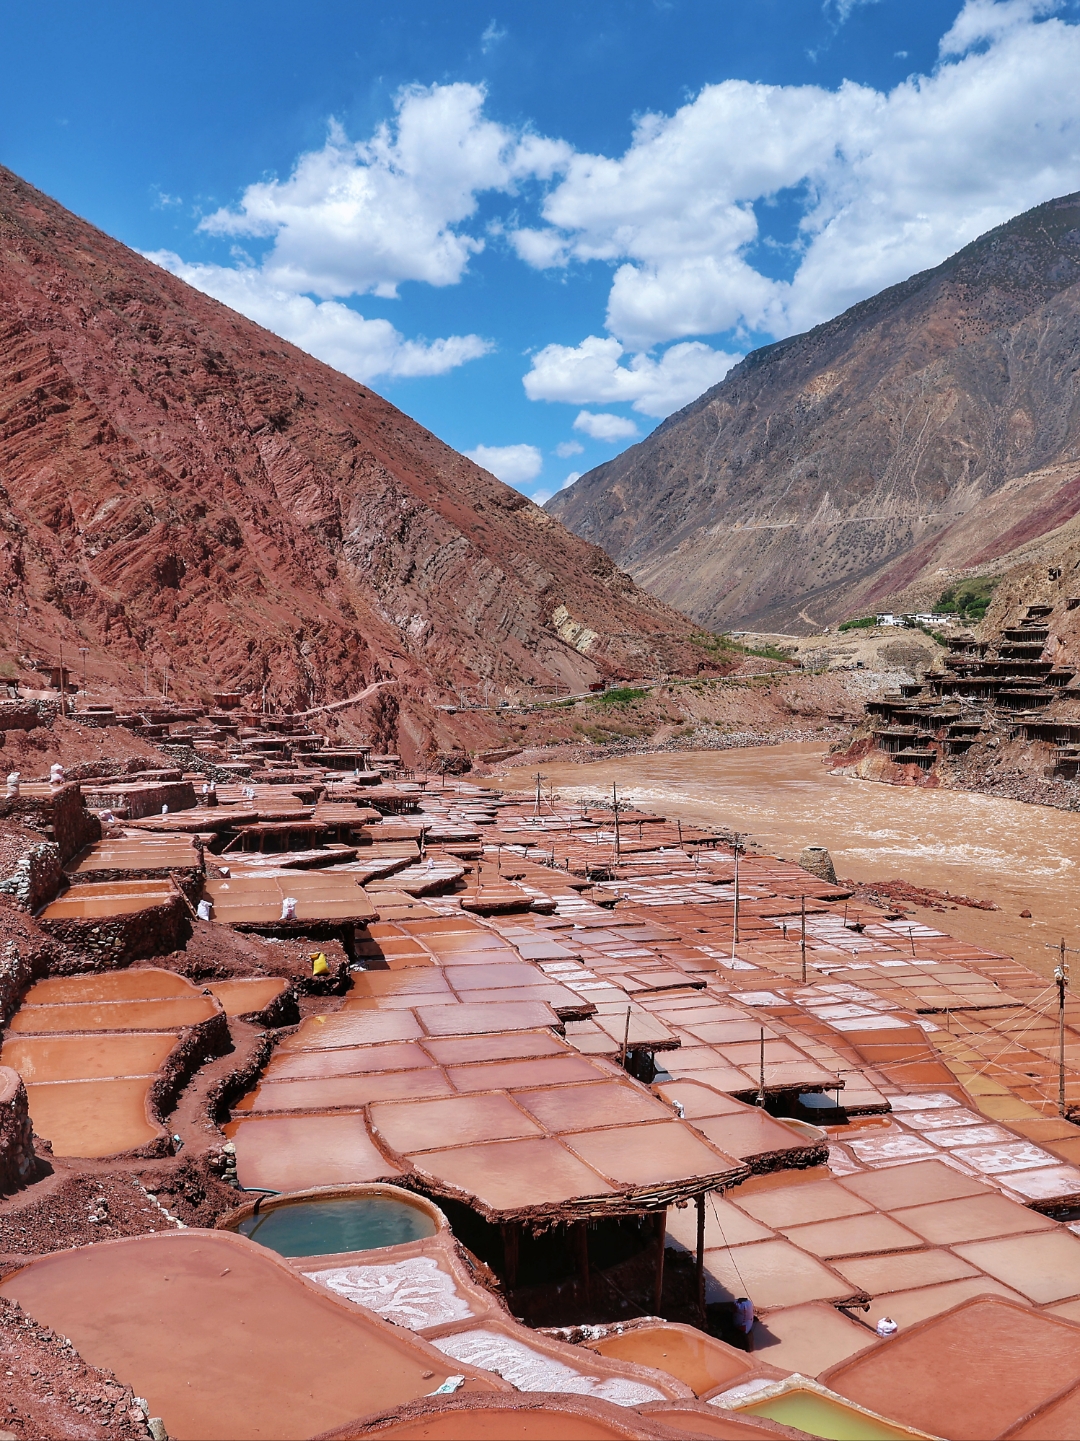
point(619, 695)
point(970, 598)
point(864, 623)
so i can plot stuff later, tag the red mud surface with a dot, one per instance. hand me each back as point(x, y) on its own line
point(69, 1209)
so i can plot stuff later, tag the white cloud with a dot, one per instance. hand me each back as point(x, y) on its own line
point(982, 20)
point(891, 182)
point(884, 183)
point(514, 464)
point(605, 426)
point(492, 35)
point(591, 373)
point(357, 218)
point(574, 475)
point(566, 448)
point(360, 348)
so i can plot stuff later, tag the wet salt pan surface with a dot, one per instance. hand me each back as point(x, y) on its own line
point(530, 1370)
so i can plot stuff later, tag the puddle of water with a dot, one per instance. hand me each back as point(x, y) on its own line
point(330, 1227)
point(1024, 857)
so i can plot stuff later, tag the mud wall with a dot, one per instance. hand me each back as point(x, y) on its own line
point(197, 1045)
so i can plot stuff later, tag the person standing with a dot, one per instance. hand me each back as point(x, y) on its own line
point(744, 1321)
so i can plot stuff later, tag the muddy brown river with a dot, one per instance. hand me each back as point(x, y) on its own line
point(1024, 857)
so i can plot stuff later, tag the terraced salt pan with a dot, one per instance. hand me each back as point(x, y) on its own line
point(699, 1360)
point(240, 997)
point(90, 1048)
point(97, 900)
point(137, 984)
point(77, 1058)
point(113, 1015)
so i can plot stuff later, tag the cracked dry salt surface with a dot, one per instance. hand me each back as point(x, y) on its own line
point(415, 1293)
point(530, 1370)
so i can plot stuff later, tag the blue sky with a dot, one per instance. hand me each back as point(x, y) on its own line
point(540, 229)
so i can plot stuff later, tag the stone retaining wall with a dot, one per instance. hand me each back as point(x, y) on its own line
point(141, 798)
point(110, 942)
point(36, 877)
point(18, 1164)
point(61, 817)
point(18, 716)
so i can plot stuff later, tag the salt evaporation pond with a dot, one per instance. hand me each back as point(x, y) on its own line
point(331, 1226)
point(1023, 857)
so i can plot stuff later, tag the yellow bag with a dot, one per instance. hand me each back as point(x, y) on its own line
point(319, 966)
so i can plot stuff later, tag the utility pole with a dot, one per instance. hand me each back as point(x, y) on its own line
point(615, 810)
point(761, 1073)
point(539, 777)
point(84, 651)
point(63, 707)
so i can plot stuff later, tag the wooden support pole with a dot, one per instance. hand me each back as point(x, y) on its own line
point(1061, 976)
point(761, 1076)
point(581, 1247)
point(701, 1255)
point(661, 1241)
point(802, 935)
point(511, 1239)
point(735, 913)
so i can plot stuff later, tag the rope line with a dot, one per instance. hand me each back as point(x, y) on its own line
point(727, 1246)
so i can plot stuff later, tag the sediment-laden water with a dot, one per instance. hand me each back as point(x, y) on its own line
point(1024, 857)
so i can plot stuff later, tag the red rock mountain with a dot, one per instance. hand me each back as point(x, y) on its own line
point(933, 428)
point(176, 482)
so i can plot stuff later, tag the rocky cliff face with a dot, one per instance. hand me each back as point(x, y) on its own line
point(932, 428)
point(178, 485)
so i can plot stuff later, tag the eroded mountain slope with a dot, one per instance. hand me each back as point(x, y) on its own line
point(933, 427)
point(177, 484)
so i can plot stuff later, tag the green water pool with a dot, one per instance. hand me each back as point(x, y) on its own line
point(822, 1416)
point(314, 1227)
